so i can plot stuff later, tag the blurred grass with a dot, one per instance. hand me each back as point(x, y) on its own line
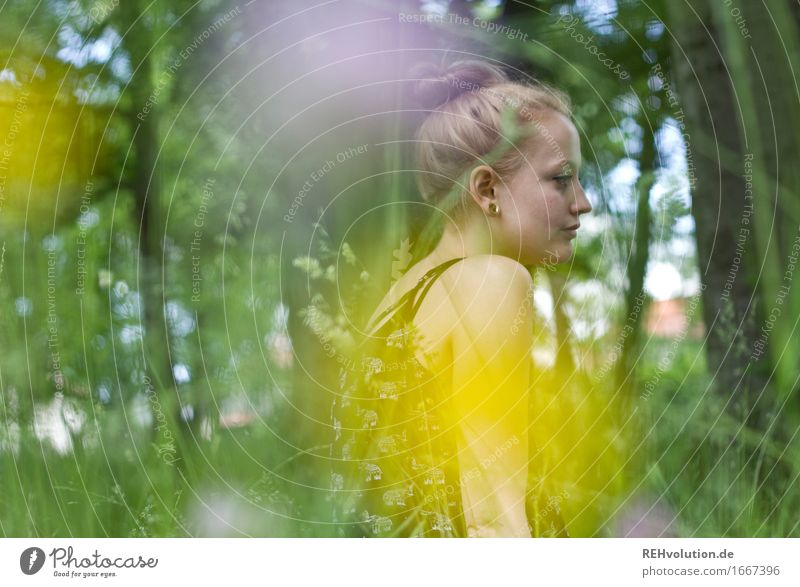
point(674, 461)
point(718, 476)
point(707, 474)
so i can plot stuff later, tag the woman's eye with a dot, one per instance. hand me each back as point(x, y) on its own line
point(563, 180)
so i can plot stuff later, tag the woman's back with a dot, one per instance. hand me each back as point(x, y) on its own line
point(474, 401)
point(398, 474)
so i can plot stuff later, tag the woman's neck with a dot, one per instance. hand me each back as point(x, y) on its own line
point(457, 242)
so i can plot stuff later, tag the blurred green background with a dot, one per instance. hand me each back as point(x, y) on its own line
point(181, 181)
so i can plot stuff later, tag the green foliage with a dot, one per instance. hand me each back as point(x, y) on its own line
point(338, 280)
point(92, 443)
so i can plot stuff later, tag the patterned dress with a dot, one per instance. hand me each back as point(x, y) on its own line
point(394, 453)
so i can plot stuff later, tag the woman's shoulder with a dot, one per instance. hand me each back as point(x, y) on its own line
point(497, 264)
point(492, 301)
point(475, 282)
point(493, 277)
point(481, 293)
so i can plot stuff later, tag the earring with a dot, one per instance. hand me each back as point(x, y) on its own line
point(494, 209)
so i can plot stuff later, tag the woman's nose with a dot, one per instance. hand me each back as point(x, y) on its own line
point(581, 204)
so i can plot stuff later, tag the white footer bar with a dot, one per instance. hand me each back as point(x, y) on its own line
point(399, 562)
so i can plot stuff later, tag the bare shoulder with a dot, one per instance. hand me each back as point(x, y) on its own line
point(495, 274)
point(489, 292)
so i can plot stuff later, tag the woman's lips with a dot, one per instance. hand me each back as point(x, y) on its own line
point(572, 231)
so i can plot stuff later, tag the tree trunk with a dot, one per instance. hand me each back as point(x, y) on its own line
point(722, 209)
point(637, 268)
point(565, 359)
point(745, 75)
point(146, 186)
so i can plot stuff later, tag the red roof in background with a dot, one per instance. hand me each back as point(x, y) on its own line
point(669, 319)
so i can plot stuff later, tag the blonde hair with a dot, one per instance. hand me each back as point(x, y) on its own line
point(465, 124)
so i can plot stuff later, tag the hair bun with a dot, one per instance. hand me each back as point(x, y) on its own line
point(436, 85)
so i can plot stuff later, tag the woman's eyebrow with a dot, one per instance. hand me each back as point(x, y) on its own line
point(566, 165)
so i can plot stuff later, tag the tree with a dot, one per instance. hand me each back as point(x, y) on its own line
point(733, 201)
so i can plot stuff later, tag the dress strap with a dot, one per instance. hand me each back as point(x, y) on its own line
point(425, 282)
point(439, 269)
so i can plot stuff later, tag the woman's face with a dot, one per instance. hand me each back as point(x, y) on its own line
point(541, 204)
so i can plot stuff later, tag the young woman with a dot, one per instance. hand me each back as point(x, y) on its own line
point(508, 205)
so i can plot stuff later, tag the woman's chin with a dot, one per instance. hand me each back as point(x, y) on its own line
point(557, 255)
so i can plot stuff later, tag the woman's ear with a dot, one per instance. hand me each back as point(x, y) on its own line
point(482, 182)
